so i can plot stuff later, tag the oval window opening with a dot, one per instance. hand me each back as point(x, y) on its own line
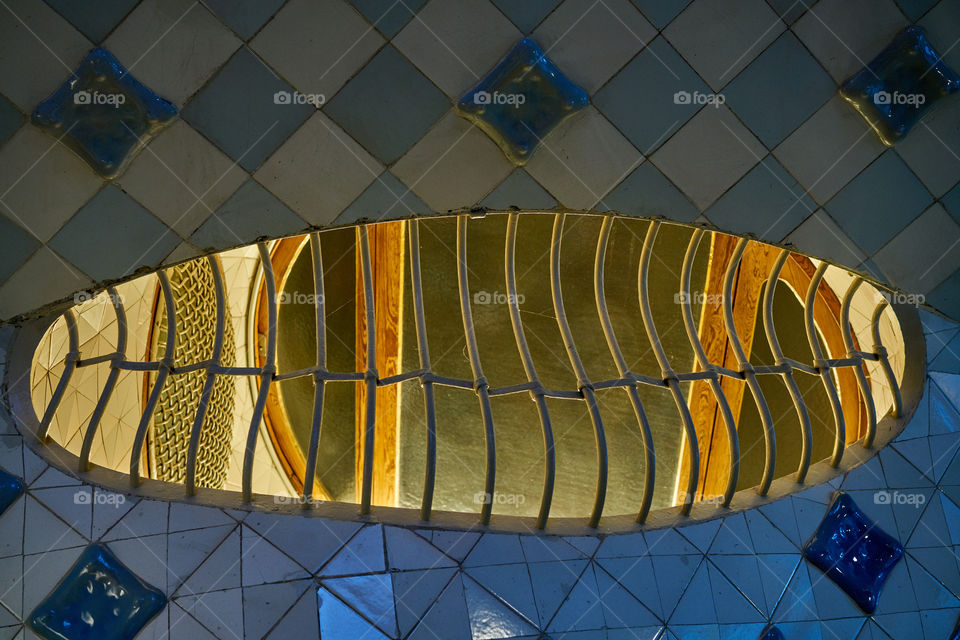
point(534, 365)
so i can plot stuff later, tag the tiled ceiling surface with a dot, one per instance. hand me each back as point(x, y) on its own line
point(764, 145)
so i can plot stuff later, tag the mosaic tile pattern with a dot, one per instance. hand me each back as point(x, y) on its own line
point(103, 113)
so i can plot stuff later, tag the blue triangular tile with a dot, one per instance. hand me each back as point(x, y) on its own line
point(843, 629)
point(744, 572)
point(943, 412)
point(899, 625)
point(337, 620)
point(510, 583)
point(546, 549)
point(552, 581)
point(620, 608)
point(907, 509)
point(943, 449)
point(919, 425)
point(701, 535)
point(941, 563)
point(667, 542)
point(733, 537)
point(781, 514)
point(797, 603)
point(939, 623)
point(868, 475)
point(581, 610)
point(637, 576)
point(776, 571)
point(407, 551)
point(490, 618)
point(363, 554)
point(495, 548)
point(371, 596)
point(917, 453)
point(447, 618)
point(630, 545)
point(931, 530)
point(766, 537)
point(414, 593)
point(696, 604)
point(899, 473)
point(731, 605)
point(928, 590)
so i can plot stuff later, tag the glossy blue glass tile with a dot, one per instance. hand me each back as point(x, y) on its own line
point(10, 119)
point(103, 113)
point(98, 599)
point(956, 631)
point(772, 633)
point(238, 110)
point(388, 106)
point(853, 552)
point(900, 85)
point(388, 17)
point(16, 245)
point(522, 100)
point(779, 90)
point(10, 489)
point(527, 14)
point(646, 99)
point(93, 22)
point(244, 16)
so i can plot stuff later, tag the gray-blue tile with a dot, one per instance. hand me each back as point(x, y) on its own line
point(951, 202)
point(648, 193)
point(10, 119)
point(93, 19)
point(386, 15)
point(386, 196)
point(112, 235)
point(250, 213)
point(660, 13)
point(779, 90)
point(789, 10)
point(946, 297)
point(640, 100)
point(527, 14)
point(914, 9)
point(767, 202)
point(244, 16)
point(521, 191)
point(388, 106)
point(879, 202)
point(16, 245)
point(237, 111)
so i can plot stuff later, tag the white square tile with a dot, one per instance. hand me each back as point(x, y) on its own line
point(570, 36)
point(42, 279)
point(181, 178)
point(317, 45)
point(709, 154)
point(820, 236)
point(921, 271)
point(43, 183)
point(39, 50)
point(172, 46)
point(319, 170)
point(719, 39)
point(845, 35)
point(454, 165)
point(580, 161)
point(457, 42)
point(829, 149)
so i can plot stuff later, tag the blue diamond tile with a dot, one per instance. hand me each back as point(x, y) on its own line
point(10, 489)
point(112, 235)
point(767, 202)
point(10, 119)
point(645, 100)
point(99, 598)
point(245, 17)
point(900, 85)
point(647, 193)
point(522, 100)
point(779, 90)
point(250, 213)
point(244, 110)
point(16, 245)
point(388, 17)
point(914, 9)
point(521, 191)
point(103, 113)
point(879, 202)
point(388, 106)
point(527, 14)
point(95, 23)
point(385, 197)
point(951, 202)
point(853, 552)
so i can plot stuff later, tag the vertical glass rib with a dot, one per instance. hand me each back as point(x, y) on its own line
point(881, 351)
point(862, 383)
point(822, 366)
point(318, 380)
point(371, 376)
point(69, 365)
